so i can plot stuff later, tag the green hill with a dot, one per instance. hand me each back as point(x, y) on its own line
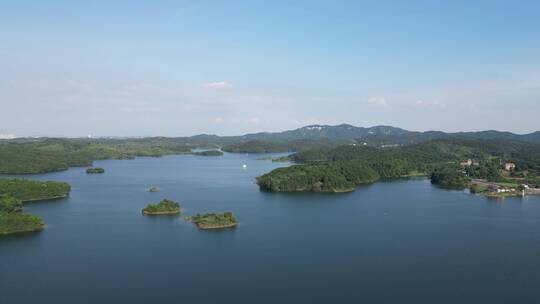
point(345, 167)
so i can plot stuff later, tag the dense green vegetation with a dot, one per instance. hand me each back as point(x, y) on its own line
point(214, 220)
point(30, 190)
point(332, 177)
point(95, 170)
point(345, 167)
point(257, 146)
point(260, 146)
point(164, 207)
point(13, 192)
point(452, 177)
point(209, 153)
point(19, 222)
point(9, 204)
point(29, 156)
point(489, 169)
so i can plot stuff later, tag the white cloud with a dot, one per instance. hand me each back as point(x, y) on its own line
point(378, 101)
point(420, 103)
point(217, 85)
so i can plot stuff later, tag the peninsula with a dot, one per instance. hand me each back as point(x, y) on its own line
point(19, 222)
point(13, 192)
point(485, 166)
point(30, 190)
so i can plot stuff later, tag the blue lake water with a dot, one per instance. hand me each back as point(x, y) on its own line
point(392, 242)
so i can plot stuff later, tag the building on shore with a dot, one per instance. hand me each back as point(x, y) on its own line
point(509, 166)
point(467, 163)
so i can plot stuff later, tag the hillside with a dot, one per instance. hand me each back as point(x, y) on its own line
point(378, 135)
point(343, 168)
point(343, 131)
point(38, 155)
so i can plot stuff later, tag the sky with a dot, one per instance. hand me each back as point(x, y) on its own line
point(179, 68)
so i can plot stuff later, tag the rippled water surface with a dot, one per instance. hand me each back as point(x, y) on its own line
point(391, 242)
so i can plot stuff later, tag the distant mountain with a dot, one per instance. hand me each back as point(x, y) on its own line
point(343, 131)
point(380, 135)
point(533, 137)
point(313, 136)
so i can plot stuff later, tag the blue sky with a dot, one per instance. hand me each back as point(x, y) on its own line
point(231, 67)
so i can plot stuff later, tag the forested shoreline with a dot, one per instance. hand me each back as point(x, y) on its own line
point(13, 192)
point(49, 155)
point(345, 167)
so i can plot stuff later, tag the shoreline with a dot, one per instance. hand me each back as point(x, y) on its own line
point(162, 212)
point(45, 199)
point(216, 227)
point(43, 226)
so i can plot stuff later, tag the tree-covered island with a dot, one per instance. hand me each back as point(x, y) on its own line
point(214, 220)
point(165, 207)
point(209, 153)
point(95, 170)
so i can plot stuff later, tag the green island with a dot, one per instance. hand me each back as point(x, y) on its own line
point(343, 168)
point(209, 153)
point(214, 220)
point(13, 192)
point(154, 189)
point(95, 170)
point(164, 207)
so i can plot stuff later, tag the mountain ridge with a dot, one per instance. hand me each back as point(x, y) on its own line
point(376, 135)
point(382, 134)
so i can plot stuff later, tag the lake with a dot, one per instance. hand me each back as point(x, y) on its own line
point(404, 241)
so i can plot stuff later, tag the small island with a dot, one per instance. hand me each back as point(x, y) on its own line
point(209, 153)
point(95, 170)
point(154, 189)
point(214, 220)
point(165, 207)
